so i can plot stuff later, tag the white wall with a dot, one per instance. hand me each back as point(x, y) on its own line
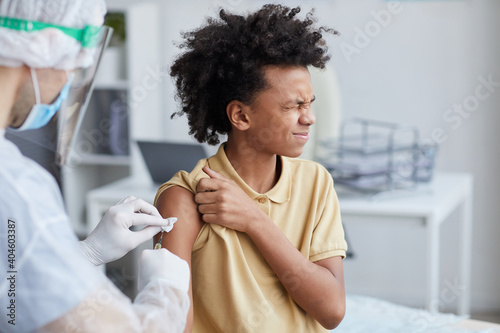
point(415, 70)
point(427, 57)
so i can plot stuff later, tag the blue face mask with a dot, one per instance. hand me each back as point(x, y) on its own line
point(41, 114)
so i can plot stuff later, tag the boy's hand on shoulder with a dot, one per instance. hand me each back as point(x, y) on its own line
point(221, 201)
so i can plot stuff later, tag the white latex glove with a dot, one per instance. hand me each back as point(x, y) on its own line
point(112, 238)
point(163, 264)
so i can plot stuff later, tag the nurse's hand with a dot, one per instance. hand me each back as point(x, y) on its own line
point(163, 264)
point(112, 238)
point(221, 201)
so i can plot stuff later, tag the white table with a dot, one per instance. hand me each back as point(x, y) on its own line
point(432, 203)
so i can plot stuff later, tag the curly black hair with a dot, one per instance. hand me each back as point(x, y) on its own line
point(224, 61)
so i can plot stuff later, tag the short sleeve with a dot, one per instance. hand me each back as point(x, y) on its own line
point(184, 179)
point(181, 179)
point(328, 236)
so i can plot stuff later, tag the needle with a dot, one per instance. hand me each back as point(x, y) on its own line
point(167, 228)
point(158, 245)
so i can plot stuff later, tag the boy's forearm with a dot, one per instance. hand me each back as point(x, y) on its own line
point(313, 287)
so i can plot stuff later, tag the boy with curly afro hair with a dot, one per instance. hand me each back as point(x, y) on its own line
point(259, 228)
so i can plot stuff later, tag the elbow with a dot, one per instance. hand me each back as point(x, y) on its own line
point(332, 321)
point(334, 317)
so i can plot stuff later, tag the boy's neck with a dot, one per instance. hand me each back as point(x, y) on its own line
point(258, 170)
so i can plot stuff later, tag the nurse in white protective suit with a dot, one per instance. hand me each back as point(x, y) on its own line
point(49, 52)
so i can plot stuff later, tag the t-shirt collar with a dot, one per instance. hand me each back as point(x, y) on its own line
point(279, 193)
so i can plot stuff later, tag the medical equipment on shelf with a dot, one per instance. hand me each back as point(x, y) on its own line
point(376, 156)
point(167, 228)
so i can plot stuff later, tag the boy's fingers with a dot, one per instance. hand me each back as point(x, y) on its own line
point(213, 174)
point(206, 185)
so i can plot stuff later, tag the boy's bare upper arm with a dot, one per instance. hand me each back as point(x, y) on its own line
point(179, 202)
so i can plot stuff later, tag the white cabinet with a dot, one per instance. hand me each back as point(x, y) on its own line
point(126, 100)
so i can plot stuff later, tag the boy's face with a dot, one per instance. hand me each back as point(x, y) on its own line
point(281, 115)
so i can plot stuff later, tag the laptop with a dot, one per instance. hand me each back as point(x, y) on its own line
point(165, 159)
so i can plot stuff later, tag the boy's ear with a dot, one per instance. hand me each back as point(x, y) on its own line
point(237, 114)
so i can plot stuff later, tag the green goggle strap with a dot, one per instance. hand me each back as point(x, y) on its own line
point(88, 36)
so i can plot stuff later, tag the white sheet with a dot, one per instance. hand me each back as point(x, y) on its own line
point(367, 314)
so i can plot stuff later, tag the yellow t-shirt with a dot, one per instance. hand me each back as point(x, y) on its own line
point(234, 289)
